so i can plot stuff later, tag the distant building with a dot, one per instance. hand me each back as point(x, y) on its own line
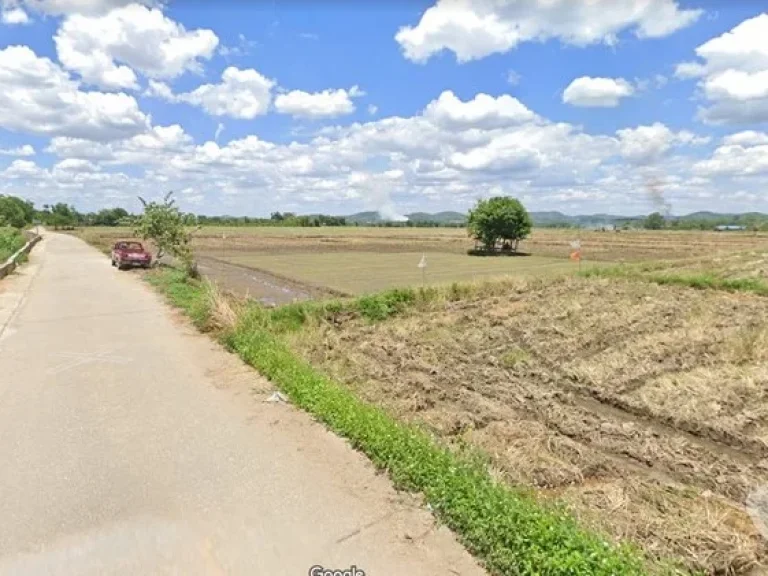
point(729, 228)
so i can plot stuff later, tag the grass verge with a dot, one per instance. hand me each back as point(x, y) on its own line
point(508, 529)
point(701, 280)
point(11, 240)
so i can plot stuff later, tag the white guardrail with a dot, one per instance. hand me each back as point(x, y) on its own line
point(10, 265)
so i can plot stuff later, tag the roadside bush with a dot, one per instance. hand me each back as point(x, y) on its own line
point(11, 240)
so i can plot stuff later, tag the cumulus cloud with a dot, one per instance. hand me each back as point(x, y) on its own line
point(38, 97)
point(733, 74)
point(107, 49)
point(242, 94)
point(25, 150)
point(741, 154)
point(21, 169)
point(87, 7)
point(12, 13)
point(453, 150)
point(647, 144)
point(483, 111)
point(746, 138)
point(160, 143)
point(474, 29)
point(597, 92)
point(325, 104)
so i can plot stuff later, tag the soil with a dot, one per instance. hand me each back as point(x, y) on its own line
point(642, 406)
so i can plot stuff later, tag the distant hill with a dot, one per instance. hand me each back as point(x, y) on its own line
point(554, 218)
point(364, 218)
point(441, 217)
point(372, 217)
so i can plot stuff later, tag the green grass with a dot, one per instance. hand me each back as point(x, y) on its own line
point(508, 529)
point(183, 293)
point(11, 240)
point(370, 272)
point(704, 280)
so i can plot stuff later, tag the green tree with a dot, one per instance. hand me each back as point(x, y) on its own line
point(62, 216)
point(109, 217)
point(654, 221)
point(165, 225)
point(15, 212)
point(499, 219)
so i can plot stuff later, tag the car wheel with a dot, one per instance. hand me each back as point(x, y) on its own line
point(113, 262)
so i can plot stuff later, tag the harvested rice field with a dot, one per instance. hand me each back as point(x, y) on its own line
point(644, 407)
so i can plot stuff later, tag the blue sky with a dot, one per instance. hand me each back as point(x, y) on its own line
point(247, 108)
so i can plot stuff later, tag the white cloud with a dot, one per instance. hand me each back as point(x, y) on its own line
point(12, 13)
point(38, 97)
point(448, 155)
point(25, 150)
point(647, 144)
point(483, 111)
point(741, 154)
point(325, 104)
point(454, 150)
point(597, 92)
point(242, 94)
point(159, 144)
point(746, 138)
point(75, 165)
point(687, 70)
point(474, 29)
point(372, 109)
point(21, 169)
point(106, 49)
point(88, 7)
point(733, 74)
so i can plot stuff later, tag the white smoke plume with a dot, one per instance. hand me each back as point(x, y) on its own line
point(379, 192)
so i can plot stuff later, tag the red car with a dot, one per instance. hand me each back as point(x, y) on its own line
point(130, 255)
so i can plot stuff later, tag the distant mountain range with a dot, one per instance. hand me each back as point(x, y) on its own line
point(441, 217)
point(549, 218)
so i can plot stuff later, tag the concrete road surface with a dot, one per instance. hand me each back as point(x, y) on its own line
point(129, 444)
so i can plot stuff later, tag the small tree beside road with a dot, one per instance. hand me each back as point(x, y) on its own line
point(500, 219)
point(165, 225)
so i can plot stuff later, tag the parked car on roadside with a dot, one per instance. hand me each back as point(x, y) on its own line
point(130, 255)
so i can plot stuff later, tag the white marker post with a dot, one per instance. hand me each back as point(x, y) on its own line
point(423, 266)
point(223, 246)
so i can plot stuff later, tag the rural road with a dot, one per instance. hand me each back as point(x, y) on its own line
point(130, 444)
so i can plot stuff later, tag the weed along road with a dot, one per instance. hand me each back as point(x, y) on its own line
point(130, 444)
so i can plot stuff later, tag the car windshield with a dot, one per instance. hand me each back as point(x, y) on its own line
point(133, 246)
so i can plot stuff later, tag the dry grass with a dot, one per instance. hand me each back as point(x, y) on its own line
point(642, 405)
